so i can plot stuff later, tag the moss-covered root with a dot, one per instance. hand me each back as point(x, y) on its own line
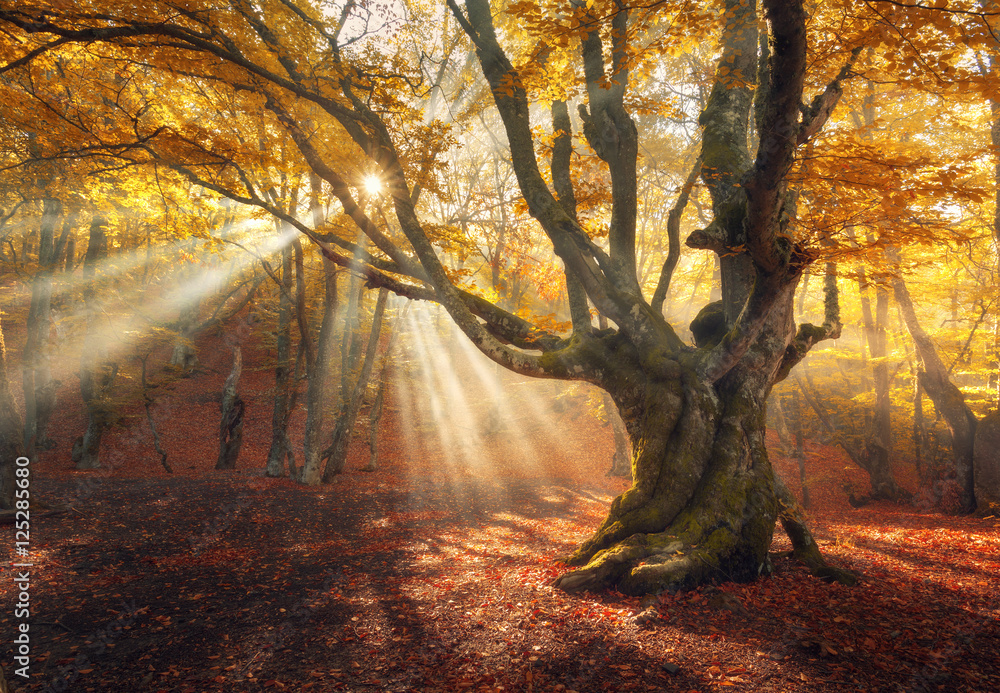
point(633, 565)
point(652, 563)
point(685, 555)
point(605, 569)
point(804, 547)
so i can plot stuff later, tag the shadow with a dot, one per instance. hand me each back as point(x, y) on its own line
point(210, 585)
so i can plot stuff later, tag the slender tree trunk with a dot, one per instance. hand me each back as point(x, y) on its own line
point(878, 437)
point(375, 416)
point(995, 139)
point(875, 453)
point(919, 433)
point(779, 424)
point(282, 370)
point(11, 432)
point(148, 404)
point(350, 342)
point(374, 419)
point(184, 355)
point(336, 454)
point(800, 448)
point(65, 241)
point(70, 254)
point(318, 376)
point(231, 424)
point(97, 371)
point(39, 388)
point(947, 398)
point(301, 316)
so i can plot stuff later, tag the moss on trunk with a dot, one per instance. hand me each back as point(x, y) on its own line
point(704, 501)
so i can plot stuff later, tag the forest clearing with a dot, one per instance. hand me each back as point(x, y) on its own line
point(500, 345)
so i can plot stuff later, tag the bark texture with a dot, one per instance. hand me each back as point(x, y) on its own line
point(318, 376)
point(621, 465)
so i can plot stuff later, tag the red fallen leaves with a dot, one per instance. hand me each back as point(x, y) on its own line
point(463, 600)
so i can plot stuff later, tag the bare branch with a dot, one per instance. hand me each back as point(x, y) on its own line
point(674, 237)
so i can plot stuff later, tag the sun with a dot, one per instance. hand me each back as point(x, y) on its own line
point(373, 185)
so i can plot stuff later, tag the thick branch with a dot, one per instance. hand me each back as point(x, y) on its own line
point(342, 192)
point(562, 152)
point(765, 183)
point(809, 335)
point(612, 134)
point(815, 116)
point(570, 242)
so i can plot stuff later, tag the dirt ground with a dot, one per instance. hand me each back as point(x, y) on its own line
point(433, 573)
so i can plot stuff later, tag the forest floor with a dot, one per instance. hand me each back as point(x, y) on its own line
point(434, 572)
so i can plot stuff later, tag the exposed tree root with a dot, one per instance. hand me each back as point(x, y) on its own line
point(804, 547)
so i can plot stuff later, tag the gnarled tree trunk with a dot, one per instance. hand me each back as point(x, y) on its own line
point(621, 464)
point(703, 505)
point(704, 499)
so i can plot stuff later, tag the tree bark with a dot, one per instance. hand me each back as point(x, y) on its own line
point(703, 504)
point(995, 141)
point(184, 355)
point(97, 371)
point(919, 433)
point(148, 404)
point(374, 419)
point(231, 424)
point(350, 341)
point(375, 416)
point(947, 398)
point(621, 458)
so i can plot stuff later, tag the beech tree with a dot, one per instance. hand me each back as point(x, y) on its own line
point(704, 500)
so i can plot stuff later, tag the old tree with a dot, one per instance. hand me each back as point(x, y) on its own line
point(704, 502)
